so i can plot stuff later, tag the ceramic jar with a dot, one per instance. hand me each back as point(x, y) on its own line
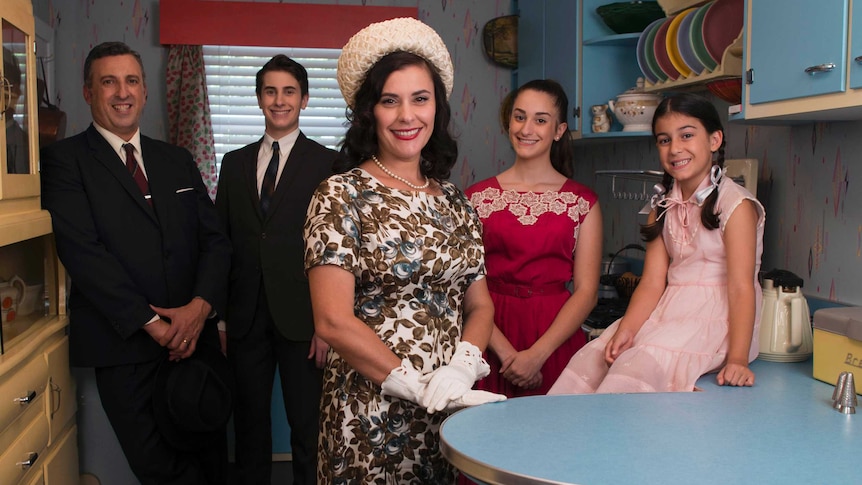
point(634, 110)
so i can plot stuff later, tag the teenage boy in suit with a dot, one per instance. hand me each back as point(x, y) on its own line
point(263, 192)
point(148, 260)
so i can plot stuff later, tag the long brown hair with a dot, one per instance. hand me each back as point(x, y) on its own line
point(562, 153)
point(698, 107)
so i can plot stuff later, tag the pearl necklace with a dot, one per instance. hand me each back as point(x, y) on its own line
point(400, 178)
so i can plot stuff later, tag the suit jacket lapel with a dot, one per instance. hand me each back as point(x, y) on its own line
point(249, 171)
point(291, 170)
point(103, 152)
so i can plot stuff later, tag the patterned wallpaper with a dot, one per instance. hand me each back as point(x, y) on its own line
point(813, 218)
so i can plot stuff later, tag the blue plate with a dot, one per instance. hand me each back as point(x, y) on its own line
point(644, 61)
point(683, 43)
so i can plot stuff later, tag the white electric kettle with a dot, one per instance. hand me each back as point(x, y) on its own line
point(785, 325)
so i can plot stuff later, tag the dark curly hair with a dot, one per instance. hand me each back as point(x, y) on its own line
point(438, 155)
point(698, 107)
point(562, 153)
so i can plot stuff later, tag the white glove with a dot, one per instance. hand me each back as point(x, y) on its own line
point(403, 382)
point(452, 381)
point(474, 398)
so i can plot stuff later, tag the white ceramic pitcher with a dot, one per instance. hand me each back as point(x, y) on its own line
point(785, 325)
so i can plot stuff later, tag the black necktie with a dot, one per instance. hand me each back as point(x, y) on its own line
point(137, 173)
point(268, 185)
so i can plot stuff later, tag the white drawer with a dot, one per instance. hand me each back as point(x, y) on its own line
point(61, 394)
point(22, 389)
point(21, 423)
point(29, 446)
point(61, 462)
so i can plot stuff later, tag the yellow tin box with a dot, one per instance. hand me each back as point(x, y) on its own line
point(838, 344)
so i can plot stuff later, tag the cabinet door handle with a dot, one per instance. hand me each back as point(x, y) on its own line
point(820, 68)
point(31, 459)
point(858, 59)
point(26, 399)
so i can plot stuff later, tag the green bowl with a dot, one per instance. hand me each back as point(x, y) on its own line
point(630, 17)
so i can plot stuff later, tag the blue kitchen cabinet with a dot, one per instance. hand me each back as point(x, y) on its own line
point(855, 52)
point(784, 38)
point(567, 41)
point(548, 46)
point(793, 45)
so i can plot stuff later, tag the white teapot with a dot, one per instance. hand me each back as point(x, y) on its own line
point(634, 108)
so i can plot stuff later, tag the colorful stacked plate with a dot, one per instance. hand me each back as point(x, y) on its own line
point(671, 44)
point(683, 42)
point(661, 53)
point(696, 38)
point(722, 24)
point(642, 52)
point(729, 89)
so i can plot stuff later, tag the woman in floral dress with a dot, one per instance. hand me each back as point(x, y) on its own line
point(396, 268)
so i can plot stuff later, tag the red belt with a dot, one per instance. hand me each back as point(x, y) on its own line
point(524, 291)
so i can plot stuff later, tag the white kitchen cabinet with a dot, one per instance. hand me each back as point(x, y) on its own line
point(37, 393)
point(800, 60)
point(19, 173)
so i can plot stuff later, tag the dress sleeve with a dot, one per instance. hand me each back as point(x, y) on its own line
point(332, 225)
point(730, 196)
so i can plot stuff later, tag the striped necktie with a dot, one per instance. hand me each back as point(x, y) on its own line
point(268, 185)
point(137, 173)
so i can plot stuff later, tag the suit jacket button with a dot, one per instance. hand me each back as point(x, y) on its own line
point(263, 235)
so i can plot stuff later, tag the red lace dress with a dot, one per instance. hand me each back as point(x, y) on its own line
point(530, 239)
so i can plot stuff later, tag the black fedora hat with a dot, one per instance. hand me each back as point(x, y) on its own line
point(193, 398)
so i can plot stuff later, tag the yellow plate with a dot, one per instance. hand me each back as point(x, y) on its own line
point(671, 45)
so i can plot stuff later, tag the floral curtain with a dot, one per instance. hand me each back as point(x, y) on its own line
point(189, 124)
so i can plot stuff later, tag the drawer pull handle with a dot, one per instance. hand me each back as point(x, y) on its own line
point(26, 399)
point(858, 59)
point(31, 459)
point(820, 68)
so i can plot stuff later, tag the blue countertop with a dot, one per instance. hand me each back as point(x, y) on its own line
point(783, 430)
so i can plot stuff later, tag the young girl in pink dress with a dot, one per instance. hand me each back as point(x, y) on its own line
point(541, 230)
point(704, 243)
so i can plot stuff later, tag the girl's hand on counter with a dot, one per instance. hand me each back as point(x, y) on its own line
point(735, 374)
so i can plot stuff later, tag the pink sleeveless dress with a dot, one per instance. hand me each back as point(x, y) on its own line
point(529, 239)
point(685, 337)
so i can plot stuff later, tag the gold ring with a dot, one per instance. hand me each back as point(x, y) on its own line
point(185, 341)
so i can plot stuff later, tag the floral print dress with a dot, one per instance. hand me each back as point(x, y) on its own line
point(413, 256)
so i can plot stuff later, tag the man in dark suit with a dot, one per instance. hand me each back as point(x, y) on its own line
point(263, 192)
point(148, 260)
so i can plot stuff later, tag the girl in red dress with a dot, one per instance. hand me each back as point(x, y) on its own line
point(542, 232)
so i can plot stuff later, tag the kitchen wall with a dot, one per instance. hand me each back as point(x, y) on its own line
point(813, 214)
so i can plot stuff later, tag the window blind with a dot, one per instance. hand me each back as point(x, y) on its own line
point(236, 118)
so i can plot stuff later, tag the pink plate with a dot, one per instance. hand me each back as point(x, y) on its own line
point(722, 24)
point(661, 54)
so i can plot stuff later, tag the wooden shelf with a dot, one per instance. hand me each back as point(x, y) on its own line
point(618, 39)
point(578, 137)
point(673, 7)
